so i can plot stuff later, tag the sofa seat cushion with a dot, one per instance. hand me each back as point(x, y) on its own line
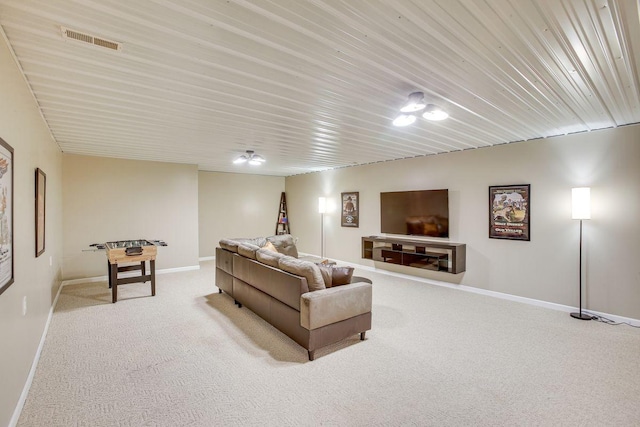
point(285, 244)
point(268, 257)
point(306, 269)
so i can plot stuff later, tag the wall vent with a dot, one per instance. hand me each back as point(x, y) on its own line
point(88, 38)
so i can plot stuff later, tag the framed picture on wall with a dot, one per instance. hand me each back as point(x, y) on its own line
point(41, 194)
point(350, 209)
point(6, 215)
point(510, 212)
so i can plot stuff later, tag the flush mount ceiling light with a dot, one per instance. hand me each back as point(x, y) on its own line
point(413, 106)
point(414, 103)
point(251, 157)
point(404, 120)
point(435, 113)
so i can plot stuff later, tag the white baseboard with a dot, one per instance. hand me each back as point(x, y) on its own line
point(207, 258)
point(128, 274)
point(465, 288)
point(34, 365)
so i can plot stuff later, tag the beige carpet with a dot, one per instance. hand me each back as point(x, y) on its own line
point(435, 357)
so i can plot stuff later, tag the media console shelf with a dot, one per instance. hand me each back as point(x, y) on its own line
point(430, 255)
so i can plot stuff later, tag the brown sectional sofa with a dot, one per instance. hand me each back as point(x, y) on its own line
point(295, 301)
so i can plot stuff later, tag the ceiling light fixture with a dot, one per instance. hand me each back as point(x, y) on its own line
point(434, 113)
point(415, 103)
point(251, 157)
point(413, 106)
point(404, 120)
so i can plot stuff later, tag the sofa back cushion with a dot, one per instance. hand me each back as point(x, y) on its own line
point(306, 269)
point(269, 257)
point(258, 241)
point(285, 244)
point(248, 250)
point(229, 244)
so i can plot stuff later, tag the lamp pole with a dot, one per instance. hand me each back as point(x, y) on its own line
point(322, 234)
point(322, 208)
point(581, 209)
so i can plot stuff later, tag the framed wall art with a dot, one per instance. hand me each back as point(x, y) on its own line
point(41, 194)
point(510, 212)
point(6, 215)
point(350, 209)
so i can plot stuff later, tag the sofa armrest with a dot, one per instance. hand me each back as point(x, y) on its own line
point(331, 305)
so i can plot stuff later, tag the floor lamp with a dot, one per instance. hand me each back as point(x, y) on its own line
point(322, 208)
point(581, 209)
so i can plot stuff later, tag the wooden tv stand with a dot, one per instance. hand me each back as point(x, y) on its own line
point(426, 254)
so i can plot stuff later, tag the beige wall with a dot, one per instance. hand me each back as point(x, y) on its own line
point(112, 199)
point(36, 281)
point(236, 205)
point(546, 268)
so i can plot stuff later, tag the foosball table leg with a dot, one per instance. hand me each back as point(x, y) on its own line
point(109, 270)
point(152, 267)
point(113, 281)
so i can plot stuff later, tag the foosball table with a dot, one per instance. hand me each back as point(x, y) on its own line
point(136, 252)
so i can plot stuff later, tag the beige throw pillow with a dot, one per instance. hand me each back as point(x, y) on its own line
point(269, 246)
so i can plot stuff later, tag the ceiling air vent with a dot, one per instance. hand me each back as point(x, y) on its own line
point(88, 38)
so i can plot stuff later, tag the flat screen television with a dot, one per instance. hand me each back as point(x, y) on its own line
point(415, 213)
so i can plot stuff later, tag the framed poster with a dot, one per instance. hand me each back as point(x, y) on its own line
point(510, 212)
point(350, 213)
point(41, 194)
point(6, 215)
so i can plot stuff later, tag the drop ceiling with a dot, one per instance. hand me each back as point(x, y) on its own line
point(315, 84)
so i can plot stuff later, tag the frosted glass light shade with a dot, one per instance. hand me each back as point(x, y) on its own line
point(434, 113)
point(581, 203)
point(322, 205)
point(404, 120)
point(240, 160)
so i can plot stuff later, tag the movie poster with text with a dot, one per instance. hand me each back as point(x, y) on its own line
point(510, 209)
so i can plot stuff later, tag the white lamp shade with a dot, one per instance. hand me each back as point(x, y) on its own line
point(581, 203)
point(322, 205)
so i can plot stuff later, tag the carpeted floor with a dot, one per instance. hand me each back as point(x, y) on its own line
point(434, 357)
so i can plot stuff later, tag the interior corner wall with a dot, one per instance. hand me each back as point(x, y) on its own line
point(236, 205)
point(546, 267)
point(25, 305)
point(108, 199)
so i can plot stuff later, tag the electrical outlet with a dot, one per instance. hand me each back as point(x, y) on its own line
point(50, 260)
point(24, 305)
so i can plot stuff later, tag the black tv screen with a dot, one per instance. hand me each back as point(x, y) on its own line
point(416, 213)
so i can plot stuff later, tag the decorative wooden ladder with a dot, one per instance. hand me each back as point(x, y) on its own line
point(282, 226)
